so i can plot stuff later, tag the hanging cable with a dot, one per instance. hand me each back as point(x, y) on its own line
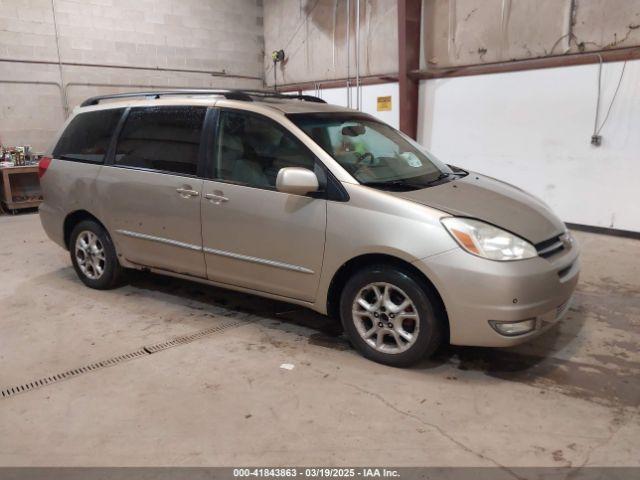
point(624, 65)
point(65, 100)
point(302, 22)
point(596, 138)
point(278, 57)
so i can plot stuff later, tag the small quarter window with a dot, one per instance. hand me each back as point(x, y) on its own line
point(165, 139)
point(87, 137)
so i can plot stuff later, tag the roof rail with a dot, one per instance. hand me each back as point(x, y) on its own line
point(286, 96)
point(244, 95)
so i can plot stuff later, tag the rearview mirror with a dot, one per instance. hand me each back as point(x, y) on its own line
point(353, 130)
point(297, 181)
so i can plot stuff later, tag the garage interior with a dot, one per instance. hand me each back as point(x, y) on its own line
point(544, 95)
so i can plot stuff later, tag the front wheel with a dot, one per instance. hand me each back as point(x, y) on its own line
point(389, 316)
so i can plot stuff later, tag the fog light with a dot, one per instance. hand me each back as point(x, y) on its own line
point(512, 329)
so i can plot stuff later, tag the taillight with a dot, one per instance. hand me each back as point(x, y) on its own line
point(43, 165)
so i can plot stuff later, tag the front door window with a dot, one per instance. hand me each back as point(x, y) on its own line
point(251, 149)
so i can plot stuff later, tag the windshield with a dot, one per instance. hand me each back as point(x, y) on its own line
point(374, 153)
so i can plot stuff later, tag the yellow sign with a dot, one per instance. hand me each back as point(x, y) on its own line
point(384, 104)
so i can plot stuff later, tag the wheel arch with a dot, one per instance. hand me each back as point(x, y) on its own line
point(350, 267)
point(72, 219)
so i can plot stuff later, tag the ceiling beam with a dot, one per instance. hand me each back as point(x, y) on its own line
point(338, 83)
point(565, 60)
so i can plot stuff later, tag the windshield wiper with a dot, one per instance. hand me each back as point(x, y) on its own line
point(392, 184)
point(407, 184)
point(442, 176)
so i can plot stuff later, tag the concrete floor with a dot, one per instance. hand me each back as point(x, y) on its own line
point(571, 397)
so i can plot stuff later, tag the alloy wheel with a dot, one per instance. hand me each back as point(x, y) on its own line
point(386, 318)
point(90, 255)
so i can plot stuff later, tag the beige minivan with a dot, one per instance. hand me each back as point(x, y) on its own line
point(287, 197)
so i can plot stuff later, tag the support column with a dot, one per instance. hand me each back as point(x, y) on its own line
point(409, 19)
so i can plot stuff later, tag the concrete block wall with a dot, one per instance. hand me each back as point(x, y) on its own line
point(313, 34)
point(117, 45)
point(454, 33)
point(466, 32)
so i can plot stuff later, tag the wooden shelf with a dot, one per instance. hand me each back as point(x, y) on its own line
point(20, 182)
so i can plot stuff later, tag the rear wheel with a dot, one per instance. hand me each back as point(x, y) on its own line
point(94, 256)
point(389, 316)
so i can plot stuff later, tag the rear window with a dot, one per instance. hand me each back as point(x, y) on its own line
point(87, 137)
point(165, 139)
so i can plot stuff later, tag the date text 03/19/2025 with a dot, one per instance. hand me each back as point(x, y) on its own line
point(317, 472)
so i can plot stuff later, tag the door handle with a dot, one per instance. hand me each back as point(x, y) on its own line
point(186, 192)
point(216, 198)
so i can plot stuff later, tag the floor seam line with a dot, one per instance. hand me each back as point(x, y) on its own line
point(145, 351)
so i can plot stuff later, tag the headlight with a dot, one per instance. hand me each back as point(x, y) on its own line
point(487, 241)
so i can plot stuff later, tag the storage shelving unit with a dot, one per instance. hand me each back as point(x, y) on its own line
point(20, 187)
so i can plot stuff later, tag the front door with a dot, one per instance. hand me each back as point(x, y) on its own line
point(152, 189)
point(254, 236)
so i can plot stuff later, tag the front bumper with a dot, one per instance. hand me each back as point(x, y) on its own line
point(476, 290)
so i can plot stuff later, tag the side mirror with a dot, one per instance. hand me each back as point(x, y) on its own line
point(297, 181)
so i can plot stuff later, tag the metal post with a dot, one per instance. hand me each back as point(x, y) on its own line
point(409, 20)
point(358, 101)
point(349, 53)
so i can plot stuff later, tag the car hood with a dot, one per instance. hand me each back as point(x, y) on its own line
point(492, 201)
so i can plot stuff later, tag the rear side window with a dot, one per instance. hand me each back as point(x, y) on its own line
point(87, 137)
point(165, 139)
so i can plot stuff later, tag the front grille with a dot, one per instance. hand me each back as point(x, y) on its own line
point(550, 247)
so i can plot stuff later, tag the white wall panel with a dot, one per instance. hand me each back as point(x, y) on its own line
point(533, 129)
point(370, 94)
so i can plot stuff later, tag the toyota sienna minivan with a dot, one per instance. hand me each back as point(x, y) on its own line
point(289, 198)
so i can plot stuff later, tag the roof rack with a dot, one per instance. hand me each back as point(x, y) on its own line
point(244, 95)
point(286, 96)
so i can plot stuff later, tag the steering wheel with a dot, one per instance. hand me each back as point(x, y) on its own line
point(366, 155)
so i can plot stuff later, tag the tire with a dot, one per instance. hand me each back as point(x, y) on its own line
point(425, 328)
point(101, 269)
